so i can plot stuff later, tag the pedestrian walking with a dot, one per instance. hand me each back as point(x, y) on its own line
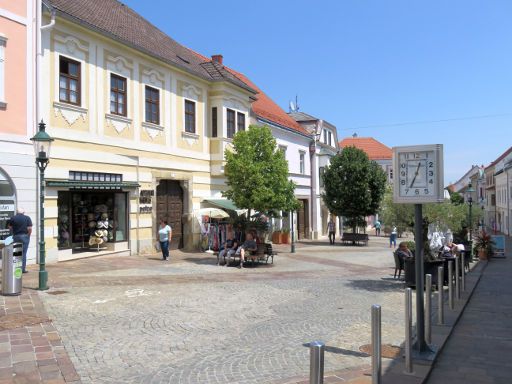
point(392, 237)
point(164, 236)
point(377, 228)
point(21, 229)
point(331, 228)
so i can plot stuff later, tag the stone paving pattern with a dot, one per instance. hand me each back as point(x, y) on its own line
point(34, 353)
point(141, 320)
point(480, 348)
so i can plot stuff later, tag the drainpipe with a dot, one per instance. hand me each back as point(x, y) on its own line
point(39, 54)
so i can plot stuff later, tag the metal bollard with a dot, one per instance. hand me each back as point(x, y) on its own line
point(450, 284)
point(408, 330)
point(428, 308)
point(376, 345)
point(463, 270)
point(440, 291)
point(316, 362)
point(457, 277)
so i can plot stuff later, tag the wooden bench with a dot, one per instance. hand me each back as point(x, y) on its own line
point(352, 238)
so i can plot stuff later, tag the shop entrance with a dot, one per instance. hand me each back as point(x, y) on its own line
point(169, 198)
point(302, 219)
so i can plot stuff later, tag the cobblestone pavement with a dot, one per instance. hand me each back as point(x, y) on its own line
point(141, 320)
point(30, 347)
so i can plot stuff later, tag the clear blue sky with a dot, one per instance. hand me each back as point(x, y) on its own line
point(366, 65)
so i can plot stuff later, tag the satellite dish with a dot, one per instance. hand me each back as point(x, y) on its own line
point(292, 107)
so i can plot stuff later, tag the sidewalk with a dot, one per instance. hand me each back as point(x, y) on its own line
point(479, 349)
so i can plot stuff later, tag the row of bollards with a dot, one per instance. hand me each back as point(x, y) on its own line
point(317, 348)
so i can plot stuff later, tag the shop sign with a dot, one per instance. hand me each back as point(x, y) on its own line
point(6, 212)
point(145, 197)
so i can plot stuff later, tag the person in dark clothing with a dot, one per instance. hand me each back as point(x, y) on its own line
point(21, 228)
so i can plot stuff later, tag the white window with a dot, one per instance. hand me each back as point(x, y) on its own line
point(325, 136)
point(282, 148)
point(3, 43)
point(302, 164)
point(330, 138)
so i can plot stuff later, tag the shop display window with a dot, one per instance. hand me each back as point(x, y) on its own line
point(90, 219)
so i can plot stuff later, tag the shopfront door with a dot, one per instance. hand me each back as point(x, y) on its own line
point(302, 219)
point(169, 197)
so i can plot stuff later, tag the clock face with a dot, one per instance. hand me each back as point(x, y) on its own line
point(417, 174)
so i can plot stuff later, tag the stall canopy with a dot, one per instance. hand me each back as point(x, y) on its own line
point(224, 204)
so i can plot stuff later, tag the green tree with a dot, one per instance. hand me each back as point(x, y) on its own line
point(257, 173)
point(353, 186)
point(456, 198)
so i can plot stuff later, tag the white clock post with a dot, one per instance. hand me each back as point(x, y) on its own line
point(418, 179)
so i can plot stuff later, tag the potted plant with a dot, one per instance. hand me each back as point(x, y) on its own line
point(276, 237)
point(285, 236)
point(484, 246)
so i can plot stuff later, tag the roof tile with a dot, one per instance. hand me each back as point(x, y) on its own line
point(373, 148)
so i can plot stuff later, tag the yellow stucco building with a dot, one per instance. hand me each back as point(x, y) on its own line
point(140, 126)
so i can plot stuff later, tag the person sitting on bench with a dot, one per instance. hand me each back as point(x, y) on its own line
point(249, 245)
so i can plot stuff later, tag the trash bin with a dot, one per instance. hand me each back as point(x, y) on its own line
point(12, 257)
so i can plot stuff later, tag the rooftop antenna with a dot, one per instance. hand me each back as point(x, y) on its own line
point(296, 103)
point(294, 107)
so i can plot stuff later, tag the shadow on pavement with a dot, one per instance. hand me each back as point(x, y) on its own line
point(384, 285)
point(341, 351)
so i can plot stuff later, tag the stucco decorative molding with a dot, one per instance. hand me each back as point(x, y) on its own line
point(70, 113)
point(119, 123)
point(152, 130)
point(235, 104)
point(154, 77)
point(191, 92)
point(71, 43)
point(190, 138)
point(120, 65)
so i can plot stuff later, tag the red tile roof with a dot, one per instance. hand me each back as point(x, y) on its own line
point(373, 148)
point(503, 155)
point(264, 107)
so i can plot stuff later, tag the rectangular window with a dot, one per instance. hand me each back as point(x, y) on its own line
point(152, 105)
point(325, 136)
point(117, 95)
point(190, 116)
point(302, 164)
point(330, 138)
point(321, 172)
point(69, 81)
point(282, 148)
point(230, 123)
point(214, 122)
point(241, 121)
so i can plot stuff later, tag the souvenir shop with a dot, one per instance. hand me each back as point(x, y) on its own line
point(94, 217)
point(215, 231)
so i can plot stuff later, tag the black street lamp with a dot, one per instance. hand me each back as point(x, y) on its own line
point(42, 144)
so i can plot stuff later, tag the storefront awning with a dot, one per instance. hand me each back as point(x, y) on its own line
point(223, 203)
point(71, 184)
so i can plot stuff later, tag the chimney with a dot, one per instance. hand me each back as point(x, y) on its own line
point(217, 59)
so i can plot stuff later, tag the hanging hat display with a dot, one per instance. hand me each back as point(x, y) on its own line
point(92, 224)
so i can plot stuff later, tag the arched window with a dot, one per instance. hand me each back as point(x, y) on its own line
point(7, 202)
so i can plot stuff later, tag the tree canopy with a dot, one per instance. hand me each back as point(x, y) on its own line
point(353, 186)
point(257, 173)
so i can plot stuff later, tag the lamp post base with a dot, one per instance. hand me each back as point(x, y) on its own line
point(43, 280)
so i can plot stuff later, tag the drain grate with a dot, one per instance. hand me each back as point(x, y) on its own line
point(57, 292)
point(19, 320)
point(388, 351)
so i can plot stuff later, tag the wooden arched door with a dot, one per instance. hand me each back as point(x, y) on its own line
point(169, 198)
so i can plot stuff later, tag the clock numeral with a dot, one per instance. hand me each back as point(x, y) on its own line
point(431, 181)
point(431, 173)
point(402, 173)
point(406, 191)
point(403, 165)
point(426, 191)
point(402, 182)
point(417, 191)
point(430, 164)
